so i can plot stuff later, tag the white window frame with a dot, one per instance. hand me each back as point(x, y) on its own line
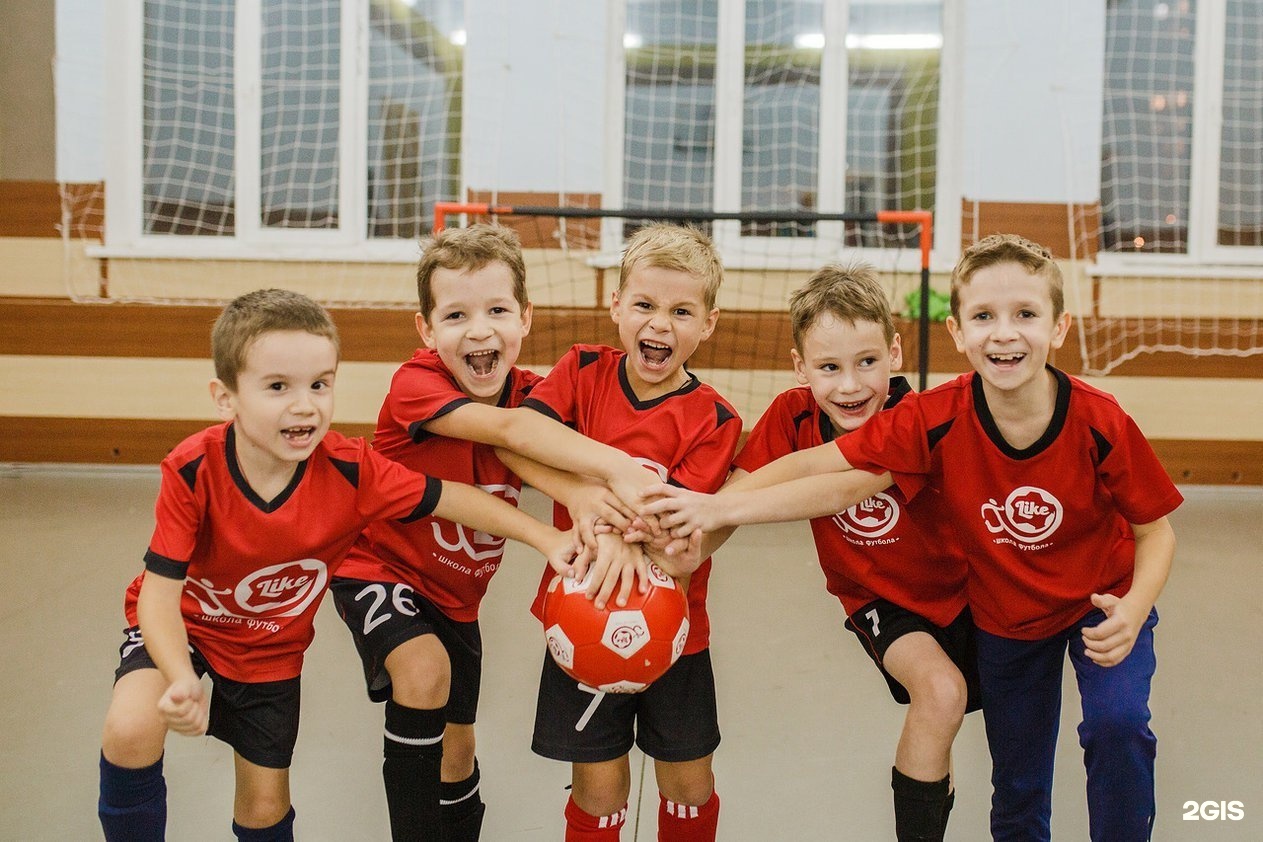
point(1205, 257)
point(829, 244)
point(251, 240)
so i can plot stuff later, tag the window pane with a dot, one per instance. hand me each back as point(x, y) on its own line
point(300, 111)
point(1240, 148)
point(189, 122)
point(414, 113)
point(669, 146)
point(893, 57)
point(780, 143)
point(1147, 132)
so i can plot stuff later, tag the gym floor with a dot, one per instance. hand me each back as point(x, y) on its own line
point(808, 727)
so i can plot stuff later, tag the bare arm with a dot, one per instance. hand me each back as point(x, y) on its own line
point(683, 511)
point(821, 459)
point(184, 706)
point(1111, 641)
point(549, 442)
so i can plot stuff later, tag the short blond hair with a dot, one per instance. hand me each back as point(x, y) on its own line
point(1009, 248)
point(847, 291)
point(678, 247)
point(470, 249)
point(250, 316)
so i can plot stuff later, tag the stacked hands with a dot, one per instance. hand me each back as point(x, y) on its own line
point(619, 532)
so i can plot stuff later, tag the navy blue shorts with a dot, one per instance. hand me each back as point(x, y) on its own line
point(674, 719)
point(384, 615)
point(258, 719)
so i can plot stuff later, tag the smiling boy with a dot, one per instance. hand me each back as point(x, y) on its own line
point(253, 517)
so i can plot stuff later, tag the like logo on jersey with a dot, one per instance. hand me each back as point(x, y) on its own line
point(871, 518)
point(1029, 514)
point(281, 590)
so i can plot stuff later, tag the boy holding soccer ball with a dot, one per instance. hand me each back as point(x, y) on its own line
point(1060, 506)
point(410, 592)
point(642, 400)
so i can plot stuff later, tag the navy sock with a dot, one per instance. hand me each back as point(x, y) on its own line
point(413, 754)
point(133, 802)
point(462, 808)
point(282, 831)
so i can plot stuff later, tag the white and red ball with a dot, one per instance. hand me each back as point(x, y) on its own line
point(620, 649)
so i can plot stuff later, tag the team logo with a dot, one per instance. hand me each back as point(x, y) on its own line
point(871, 518)
point(283, 590)
point(479, 546)
point(1029, 514)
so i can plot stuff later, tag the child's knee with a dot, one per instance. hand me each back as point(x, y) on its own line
point(1115, 725)
point(134, 733)
point(690, 782)
point(420, 674)
point(941, 697)
point(261, 808)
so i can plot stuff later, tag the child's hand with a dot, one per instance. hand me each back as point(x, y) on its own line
point(683, 512)
point(1110, 641)
point(185, 707)
point(678, 557)
point(564, 553)
point(617, 567)
point(596, 507)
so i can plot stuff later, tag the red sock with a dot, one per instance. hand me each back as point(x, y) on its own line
point(686, 823)
point(581, 827)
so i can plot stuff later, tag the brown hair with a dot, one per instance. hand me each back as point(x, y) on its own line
point(848, 291)
point(251, 315)
point(1008, 248)
point(470, 249)
point(677, 247)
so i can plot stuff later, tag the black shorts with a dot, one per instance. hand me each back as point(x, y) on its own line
point(674, 719)
point(384, 615)
point(258, 719)
point(880, 623)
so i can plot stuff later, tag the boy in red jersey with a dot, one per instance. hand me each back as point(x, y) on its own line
point(410, 592)
point(1061, 508)
point(642, 400)
point(253, 516)
point(903, 595)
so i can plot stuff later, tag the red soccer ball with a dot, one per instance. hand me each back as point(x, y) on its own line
point(618, 649)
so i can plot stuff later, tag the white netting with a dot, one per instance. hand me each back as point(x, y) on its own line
point(1149, 185)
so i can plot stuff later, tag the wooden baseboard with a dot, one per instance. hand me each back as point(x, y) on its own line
point(138, 441)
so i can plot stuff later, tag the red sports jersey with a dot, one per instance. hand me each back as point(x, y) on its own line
point(884, 547)
point(254, 571)
point(447, 563)
point(687, 436)
point(1043, 528)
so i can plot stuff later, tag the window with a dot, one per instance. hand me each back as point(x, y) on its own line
point(1181, 165)
point(727, 107)
point(255, 131)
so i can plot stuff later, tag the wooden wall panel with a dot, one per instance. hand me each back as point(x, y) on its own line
point(1047, 223)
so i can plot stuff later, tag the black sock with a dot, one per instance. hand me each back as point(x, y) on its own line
point(919, 815)
point(462, 809)
point(282, 831)
point(413, 753)
point(133, 802)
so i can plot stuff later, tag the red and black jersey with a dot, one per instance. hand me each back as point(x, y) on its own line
point(447, 563)
point(883, 548)
point(688, 436)
point(1043, 528)
point(254, 570)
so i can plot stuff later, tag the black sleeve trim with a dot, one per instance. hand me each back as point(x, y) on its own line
point(417, 431)
point(188, 472)
point(168, 568)
point(542, 408)
point(430, 499)
point(935, 435)
point(350, 470)
point(722, 414)
point(1103, 446)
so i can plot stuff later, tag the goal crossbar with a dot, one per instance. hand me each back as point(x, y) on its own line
point(923, 219)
